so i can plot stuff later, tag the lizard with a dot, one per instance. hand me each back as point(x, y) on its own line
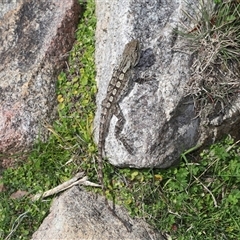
point(116, 89)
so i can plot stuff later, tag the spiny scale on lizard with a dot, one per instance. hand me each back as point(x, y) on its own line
point(117, 88)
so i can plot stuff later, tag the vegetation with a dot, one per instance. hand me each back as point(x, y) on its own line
point(198, 199)
point(214, 41)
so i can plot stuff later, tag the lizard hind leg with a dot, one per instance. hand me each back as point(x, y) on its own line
point(118, 129)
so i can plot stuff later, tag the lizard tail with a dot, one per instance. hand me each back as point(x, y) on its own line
point(101, 143)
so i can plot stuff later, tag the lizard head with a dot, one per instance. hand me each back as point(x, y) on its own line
point(132, 50)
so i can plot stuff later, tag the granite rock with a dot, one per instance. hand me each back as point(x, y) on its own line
point(161, 120)
point(35, 37)
point(77, 214)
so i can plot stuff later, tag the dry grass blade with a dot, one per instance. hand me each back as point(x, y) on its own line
point(215, 44)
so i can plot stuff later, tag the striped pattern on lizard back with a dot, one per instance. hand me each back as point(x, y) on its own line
point(117, 88)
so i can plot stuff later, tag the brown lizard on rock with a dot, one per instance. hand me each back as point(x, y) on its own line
point(117, 88)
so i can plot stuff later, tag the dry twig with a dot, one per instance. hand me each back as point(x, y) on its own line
point(68, 184)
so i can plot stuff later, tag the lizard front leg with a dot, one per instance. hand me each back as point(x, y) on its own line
point(119, 127)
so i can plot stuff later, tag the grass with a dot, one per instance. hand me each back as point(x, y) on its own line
point(198, 199)
point(214, 41)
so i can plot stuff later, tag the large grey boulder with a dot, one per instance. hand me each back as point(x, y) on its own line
point(34, 39)
point(77, 214)
point(161, 121)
